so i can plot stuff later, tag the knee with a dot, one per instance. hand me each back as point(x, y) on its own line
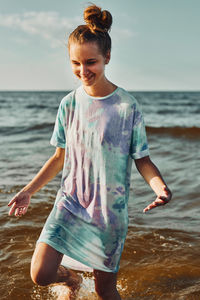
point(40, 276)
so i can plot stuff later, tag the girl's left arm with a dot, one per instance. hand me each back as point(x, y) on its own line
point(153, 177)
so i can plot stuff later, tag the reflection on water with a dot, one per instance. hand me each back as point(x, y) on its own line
point(161, 256)
point(156, 263)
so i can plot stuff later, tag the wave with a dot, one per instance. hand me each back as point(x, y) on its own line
point(10, 130)
point(188, 132)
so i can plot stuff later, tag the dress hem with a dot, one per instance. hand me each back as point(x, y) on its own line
point(53, 245)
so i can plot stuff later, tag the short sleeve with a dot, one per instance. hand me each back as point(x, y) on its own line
point(58, 137)
point(139, 145)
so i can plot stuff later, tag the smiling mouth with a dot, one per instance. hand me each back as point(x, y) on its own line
point(87, 78)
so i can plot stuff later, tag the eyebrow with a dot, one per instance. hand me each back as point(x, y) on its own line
point(89, 59)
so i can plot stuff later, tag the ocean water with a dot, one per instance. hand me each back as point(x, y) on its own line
point(161, 256)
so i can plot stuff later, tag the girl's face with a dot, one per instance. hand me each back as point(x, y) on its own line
point(88, 64)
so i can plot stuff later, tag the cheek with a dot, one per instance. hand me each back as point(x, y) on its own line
point(98, 68)
point(75, 70)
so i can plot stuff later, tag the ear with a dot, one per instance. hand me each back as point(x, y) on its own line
point(107, 57)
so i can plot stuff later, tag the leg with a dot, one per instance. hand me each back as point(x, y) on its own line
point(44, 264)
point(46, 269)
point(105, 285)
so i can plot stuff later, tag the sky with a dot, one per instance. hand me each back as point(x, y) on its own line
point(155, 44)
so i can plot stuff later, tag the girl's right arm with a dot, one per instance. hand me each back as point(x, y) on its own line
point(20, 202)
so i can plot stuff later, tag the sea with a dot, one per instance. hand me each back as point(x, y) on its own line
point(161, 257)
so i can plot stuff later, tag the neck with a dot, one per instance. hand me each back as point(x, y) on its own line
point(101, 90)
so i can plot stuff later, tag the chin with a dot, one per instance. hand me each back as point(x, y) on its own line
point(88, 83)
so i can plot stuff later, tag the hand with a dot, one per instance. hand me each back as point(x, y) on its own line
point(19, 204)
point(160, 200)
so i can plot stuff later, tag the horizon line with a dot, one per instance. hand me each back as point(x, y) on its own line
point(68, 90)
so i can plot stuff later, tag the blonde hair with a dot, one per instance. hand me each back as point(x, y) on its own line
point(98, 24)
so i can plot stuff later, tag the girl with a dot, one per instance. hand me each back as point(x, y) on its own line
point(99, 129)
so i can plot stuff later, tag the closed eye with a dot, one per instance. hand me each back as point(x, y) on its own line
point(91, 62)
point(75, 63)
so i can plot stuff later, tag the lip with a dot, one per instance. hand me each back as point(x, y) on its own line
point(87, 78)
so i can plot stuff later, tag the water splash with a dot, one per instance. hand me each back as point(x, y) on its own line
point(86, 292)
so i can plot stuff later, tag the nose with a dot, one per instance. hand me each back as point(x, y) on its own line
point(84, 70)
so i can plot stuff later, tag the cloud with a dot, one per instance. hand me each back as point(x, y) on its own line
point(48, 25)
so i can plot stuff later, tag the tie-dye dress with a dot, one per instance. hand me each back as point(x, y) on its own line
point(101, 137)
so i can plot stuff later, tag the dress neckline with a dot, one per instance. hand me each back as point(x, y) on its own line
point(100, 98)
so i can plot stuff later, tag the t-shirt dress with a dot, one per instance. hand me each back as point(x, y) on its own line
point(101, 137)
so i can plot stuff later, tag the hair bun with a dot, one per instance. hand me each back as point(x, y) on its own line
point(97, 19)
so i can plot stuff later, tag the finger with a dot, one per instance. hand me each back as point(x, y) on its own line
point(149, 207)
point(153, 205)
point(146, 209)
point(17, 212)
point(24, 210)
point(11, 211)
point(12, 201)
point(20, 214)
